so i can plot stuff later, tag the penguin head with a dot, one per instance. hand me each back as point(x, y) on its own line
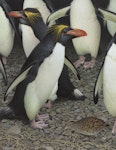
point(27, 16)
point(63, 33)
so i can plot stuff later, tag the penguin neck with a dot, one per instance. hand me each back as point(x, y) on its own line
point(40, 29)
point(49, 40)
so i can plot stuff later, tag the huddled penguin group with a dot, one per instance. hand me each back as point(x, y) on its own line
point(44, 76)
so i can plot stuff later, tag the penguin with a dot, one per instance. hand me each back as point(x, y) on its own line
point(111, 26)
point(7, 33)
point(107, 78)
point(83, 11)
point(39, 79)
point(29, 40)
point(65, 87)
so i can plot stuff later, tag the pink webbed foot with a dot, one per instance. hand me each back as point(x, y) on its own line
point(80, 61)
point(38, 125)
point(43, 117)
point(114, 128)
point(48, 105)
point(89, 64)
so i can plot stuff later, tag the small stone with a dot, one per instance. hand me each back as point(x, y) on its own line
point(49, 148)
point(14, 130)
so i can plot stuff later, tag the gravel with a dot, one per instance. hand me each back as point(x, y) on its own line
point(56, 137)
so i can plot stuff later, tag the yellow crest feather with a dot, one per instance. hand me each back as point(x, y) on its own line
point(57, 29)
point(32, 16)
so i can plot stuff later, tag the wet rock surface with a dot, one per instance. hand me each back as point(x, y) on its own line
point(14, 135)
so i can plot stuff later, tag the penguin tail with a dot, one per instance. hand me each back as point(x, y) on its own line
point(6, 113)
point(77, 95)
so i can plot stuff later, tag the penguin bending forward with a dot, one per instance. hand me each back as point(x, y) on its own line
point(107, 77)
point(32, 17)
point(37, 82)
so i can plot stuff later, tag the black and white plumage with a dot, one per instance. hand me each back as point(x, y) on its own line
point(82, 13)
point(7, 33)
point(32, 17)
point(107, 78)
point(29, 40)
point(39, 79)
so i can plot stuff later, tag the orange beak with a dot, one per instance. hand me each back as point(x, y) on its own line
point(77, 32)
point(16, 14)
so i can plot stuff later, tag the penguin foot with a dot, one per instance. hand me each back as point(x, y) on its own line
point(90, 64)
point(114, 128)
point(43, 117)
point(79, 62)
point(48, 104)
point(38, 125)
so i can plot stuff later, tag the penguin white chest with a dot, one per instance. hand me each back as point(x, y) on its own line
point(6, 34)
point(109, 81)
point(41, 6)
point(29, 40)
point(82, 15)
point(39, 90)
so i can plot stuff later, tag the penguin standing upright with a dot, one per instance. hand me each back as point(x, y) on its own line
point(107, 77)
point(38, 80)
point(82, 14)
point(6, 35)
point(111, 26)
point(32, 17)
point(83, 10)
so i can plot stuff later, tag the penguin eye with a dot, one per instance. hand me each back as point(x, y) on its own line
point(65, 30)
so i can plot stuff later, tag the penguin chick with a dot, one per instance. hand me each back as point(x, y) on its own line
point(32, 17)
point(39, 79)
point(82, 14)
point(7, 26)
point(107, 77)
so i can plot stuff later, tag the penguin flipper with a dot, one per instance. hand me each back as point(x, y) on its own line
point(98, 86)
point(57, 14)
point(3, 71)
point(17, 80)
point(69, 64)
point(107, 15)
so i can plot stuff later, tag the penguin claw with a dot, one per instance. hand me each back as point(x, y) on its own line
point(43, 117)
point(79, 62)
point(38, 125)
point(90, 64)
point(114, 128)
point(48, 104)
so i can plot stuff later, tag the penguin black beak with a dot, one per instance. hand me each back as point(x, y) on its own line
point(77, 32)
point(16, 14)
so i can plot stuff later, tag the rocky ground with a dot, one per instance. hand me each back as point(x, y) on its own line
point(14, 135)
